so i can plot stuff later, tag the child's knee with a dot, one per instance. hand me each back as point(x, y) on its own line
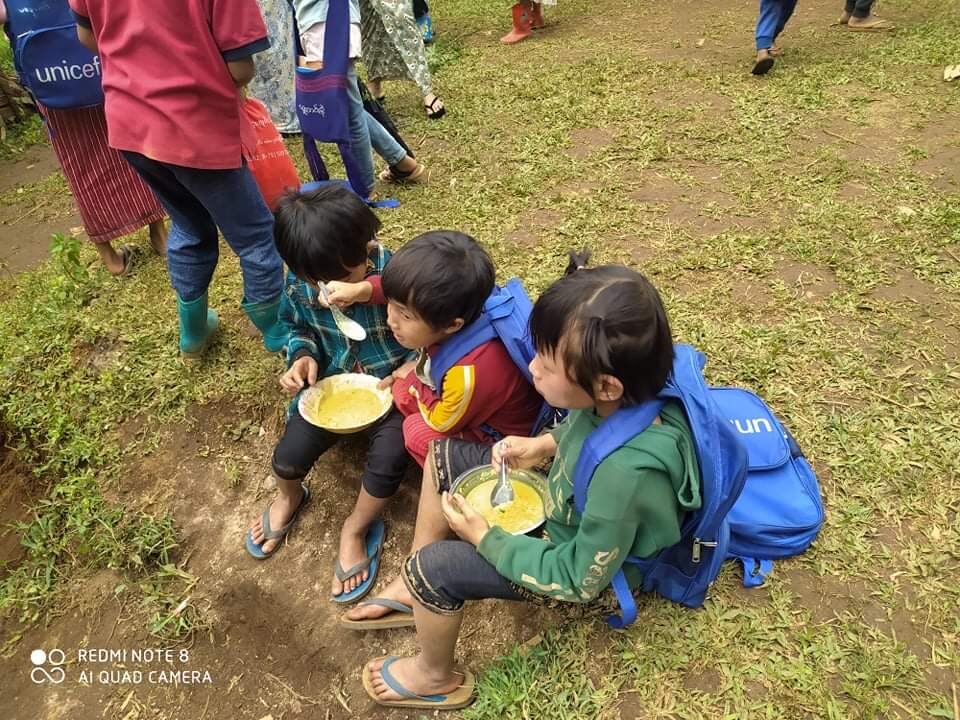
point(425, 574)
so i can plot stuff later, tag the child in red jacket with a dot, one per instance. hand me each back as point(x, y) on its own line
point(435, 286)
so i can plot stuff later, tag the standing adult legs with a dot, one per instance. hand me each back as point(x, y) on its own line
point(238, 209)
point(192, 245)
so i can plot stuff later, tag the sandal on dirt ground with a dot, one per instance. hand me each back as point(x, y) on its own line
point(128, 255)
point(434, 112)
point(762, 67)
point(374, 544)
point(401, 617)
point(269, 533)
point(875, 24)
point(459, 698)
point(394, 175)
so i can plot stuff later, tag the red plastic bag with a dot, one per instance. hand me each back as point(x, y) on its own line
point(269, 161)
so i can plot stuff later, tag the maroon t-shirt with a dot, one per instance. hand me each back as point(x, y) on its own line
point(168, 92)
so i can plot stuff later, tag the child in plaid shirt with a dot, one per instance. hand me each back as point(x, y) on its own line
point(329, 235)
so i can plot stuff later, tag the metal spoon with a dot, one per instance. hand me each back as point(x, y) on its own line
point(351, 328)
point(503, 491)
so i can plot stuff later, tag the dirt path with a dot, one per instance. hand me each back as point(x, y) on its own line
point(27, 224)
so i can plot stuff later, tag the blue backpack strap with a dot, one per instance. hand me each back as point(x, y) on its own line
point(613, 433)
point(464, 341)
point(628, 607)
point(389, 203)
point(755, 570)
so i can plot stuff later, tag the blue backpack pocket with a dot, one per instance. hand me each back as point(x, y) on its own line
point(57, 70)
point(779, 512)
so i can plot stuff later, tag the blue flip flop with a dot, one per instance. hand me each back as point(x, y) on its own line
point(374, 543)
point(255, 549)
point(459, 698)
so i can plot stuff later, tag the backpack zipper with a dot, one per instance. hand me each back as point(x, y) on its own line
point(697, 544)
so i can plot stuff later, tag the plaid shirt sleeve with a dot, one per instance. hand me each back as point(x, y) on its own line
point(302, 340)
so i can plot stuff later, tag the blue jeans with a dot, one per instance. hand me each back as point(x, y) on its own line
point(365, 132)
point(444, 574)
point(199, 202)
point(773, 18)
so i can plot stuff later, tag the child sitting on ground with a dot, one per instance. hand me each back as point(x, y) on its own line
point(329, 236)
point(435, 287)
point(603, 342)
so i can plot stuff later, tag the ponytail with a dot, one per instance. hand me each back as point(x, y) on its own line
point(577, 260)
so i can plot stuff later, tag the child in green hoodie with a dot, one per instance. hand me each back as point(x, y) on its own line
point(603, 342)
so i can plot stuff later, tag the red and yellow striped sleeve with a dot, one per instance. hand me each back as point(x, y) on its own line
point(449, 413)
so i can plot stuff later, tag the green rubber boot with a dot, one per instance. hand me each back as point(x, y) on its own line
point(197, 325)
point(265, 316)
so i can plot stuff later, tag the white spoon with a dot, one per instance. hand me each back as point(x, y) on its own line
point(351, 328)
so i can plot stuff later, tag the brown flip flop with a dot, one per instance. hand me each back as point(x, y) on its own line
point(459, 698)
point(875, 25)
point(401, 616)
point(127, 253)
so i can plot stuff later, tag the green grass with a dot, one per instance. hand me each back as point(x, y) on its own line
point(25, 133)
point(867, 382)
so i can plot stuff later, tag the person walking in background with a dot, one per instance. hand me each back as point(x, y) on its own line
point(857, 15)
point(172, 74)
point(112, 199)
point(366, 133)
point(527, 16)
point(773, 18)
point(393, 50)
point(273, 82)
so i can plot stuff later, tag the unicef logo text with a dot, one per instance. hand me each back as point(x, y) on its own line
point(47, 666)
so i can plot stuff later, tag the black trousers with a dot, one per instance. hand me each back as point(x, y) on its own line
point(302, 445)
point(859, 8)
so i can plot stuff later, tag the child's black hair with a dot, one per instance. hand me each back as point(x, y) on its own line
point(441, 275)
point(322, 233)
point(606, 320)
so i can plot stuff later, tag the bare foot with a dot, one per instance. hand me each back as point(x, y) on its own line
point(411, 673)
point(281, 510)
point(376, 88)
point(352, 551)
point(844, 18)
point(396, 590)
point(775, 51)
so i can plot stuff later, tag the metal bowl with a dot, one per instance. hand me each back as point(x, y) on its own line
point(337, 383)
point(468, 480)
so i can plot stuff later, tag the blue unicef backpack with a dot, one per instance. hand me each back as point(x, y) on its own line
point(505, 316)
point(760, 496)
point(50, 61)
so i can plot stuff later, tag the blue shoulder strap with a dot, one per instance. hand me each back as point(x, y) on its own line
point(613, 433)
point(336, 38)
point(464, 341)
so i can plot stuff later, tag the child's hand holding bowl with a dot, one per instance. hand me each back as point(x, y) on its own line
point(463, 519)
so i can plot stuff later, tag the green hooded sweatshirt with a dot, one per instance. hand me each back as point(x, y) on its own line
point(635, 506)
